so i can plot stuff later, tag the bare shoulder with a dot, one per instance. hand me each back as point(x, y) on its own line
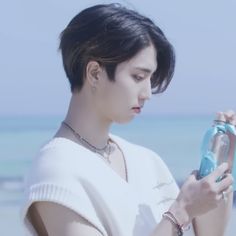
point(52, 219)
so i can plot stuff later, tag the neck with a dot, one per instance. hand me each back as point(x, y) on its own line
point(83, 118)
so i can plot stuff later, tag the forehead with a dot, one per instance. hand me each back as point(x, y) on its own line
point(146, 58)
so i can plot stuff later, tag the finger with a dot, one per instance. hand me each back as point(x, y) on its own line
point(219, 171)
point(233, 119)
point(193, 175)
point(220, 116)
point(223, 195)
point(229, 116)
point(225, 182)
point(229, 190)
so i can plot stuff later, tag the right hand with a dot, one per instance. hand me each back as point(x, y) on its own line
point(197, 197)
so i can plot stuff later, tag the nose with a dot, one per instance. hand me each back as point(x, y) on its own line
point(146, 90)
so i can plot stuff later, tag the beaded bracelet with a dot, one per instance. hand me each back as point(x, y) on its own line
point(169, 216)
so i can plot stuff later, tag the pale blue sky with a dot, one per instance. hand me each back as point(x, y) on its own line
point(32, 81)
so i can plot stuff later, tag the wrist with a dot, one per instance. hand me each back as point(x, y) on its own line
point(171, 218)
point(178, 209)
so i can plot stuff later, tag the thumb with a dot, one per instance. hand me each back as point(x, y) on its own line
point(193, 175)
point(191, 178)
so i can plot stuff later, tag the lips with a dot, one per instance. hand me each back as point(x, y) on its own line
point(137, 109)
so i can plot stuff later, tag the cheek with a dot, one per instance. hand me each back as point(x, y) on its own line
point(122, 97)
point(118, 97)
point(125, 89)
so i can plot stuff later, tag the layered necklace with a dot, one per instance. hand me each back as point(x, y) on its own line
point(103, 152)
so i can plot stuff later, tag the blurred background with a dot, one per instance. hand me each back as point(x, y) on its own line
point(34, 92)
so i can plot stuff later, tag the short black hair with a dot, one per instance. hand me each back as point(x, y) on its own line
point(111, 34)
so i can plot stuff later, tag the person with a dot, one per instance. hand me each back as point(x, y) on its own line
point(88, 181)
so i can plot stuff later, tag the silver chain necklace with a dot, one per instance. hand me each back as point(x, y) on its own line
point(104, 152)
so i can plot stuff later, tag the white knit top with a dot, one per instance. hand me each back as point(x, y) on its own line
point(69, 174)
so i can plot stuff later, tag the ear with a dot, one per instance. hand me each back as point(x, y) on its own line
point(93, 72)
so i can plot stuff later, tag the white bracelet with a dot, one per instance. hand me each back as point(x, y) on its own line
point(169, 216)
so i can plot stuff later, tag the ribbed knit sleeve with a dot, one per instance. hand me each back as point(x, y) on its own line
point(52, 180)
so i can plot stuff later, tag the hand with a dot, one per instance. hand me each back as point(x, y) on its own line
point(229, 117)
point(197, 197)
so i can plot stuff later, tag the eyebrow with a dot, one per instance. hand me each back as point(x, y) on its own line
point(143, 69)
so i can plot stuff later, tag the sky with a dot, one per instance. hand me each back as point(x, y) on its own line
point(203, 33)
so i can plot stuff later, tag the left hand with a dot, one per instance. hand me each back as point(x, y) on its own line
point(229, 117)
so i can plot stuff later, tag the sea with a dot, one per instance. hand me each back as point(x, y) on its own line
point(176, 138)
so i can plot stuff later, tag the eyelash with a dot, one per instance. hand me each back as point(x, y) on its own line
point(138, 78)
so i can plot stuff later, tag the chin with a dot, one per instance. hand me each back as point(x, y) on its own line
point(123, 120)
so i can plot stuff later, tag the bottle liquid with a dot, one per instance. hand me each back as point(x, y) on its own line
point(215, 149)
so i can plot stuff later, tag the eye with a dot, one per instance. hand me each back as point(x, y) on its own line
point(138, 77)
